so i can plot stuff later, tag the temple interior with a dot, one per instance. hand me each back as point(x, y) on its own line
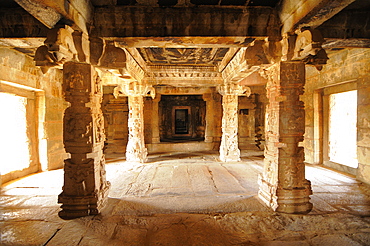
point(185, 122)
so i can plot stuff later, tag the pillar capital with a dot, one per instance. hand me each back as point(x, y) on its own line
point(134, 88)
point(305, 46)
point(233, 89)
point(62, 44)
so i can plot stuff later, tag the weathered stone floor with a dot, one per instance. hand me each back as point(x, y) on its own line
point(186, 199)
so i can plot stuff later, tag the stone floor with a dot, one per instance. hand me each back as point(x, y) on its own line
point(186, 199)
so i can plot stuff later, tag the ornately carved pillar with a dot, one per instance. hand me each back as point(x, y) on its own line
point(229, 148)
point(135, 150)
point(283, 186)
point(85, 187)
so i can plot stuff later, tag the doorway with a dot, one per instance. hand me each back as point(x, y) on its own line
point(181, 121)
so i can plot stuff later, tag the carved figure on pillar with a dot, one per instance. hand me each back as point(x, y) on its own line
point(135, 150)
point(85, 188)
point(229, 148)
point(283, 185)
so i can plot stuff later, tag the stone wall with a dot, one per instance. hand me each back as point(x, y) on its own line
point(345, 70)
point(19, 70)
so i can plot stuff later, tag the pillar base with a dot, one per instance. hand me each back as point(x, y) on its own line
point(80, 206)
point(291, 201)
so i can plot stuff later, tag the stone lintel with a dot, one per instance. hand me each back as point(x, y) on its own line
point(122, 21)
point(331, 43)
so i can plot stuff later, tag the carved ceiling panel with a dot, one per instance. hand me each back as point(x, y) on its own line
point(183, 56)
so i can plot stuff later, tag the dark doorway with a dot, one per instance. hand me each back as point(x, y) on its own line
point(182, 117)
point(181, 121)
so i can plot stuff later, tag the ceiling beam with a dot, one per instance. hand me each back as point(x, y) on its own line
point(50, 12)
point(308, 13)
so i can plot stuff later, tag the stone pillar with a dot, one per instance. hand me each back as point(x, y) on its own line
point(155, 119)
point(136, 151)
point(85, 188)
point(229, 149)
point(283, 186)
point(363, 129)
point(208, 98)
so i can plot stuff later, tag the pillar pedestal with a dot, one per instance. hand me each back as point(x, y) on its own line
point(85, 188)
point(283, 186)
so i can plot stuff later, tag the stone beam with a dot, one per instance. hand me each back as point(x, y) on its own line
point(351, 24)
point(49, 12)
point(310, 13)
point(332, 43)
point(45, 14)
point(136, 21)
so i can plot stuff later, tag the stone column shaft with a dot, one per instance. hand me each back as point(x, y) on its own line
point(209, 131)
point(229, 150)
point(283, 185)
point(155, 119)
point(136, 150)
point(85, 187)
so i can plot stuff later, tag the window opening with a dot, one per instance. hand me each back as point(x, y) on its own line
point(342, 128)
point(14, 142)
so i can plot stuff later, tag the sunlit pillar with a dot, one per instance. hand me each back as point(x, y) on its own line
point(85, 188)
point(283, 186)
point(209, 131)
point(135, 150)
point(229, 148)
point(155, 119)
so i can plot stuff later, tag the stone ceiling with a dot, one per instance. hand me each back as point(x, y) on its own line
point(182, 56)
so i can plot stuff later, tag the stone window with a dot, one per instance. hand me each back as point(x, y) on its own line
point(14, 141)
point(342, 128)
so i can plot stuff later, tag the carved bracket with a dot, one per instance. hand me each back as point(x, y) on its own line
point(308, 48)
point(134, 89)
point(62, 45)
point(234, 89)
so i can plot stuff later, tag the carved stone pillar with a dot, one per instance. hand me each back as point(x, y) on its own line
point(208, 98)
point(229, 149)
point(135, 150)
point(283, 186)
point(155, 120)
point(85, 187)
